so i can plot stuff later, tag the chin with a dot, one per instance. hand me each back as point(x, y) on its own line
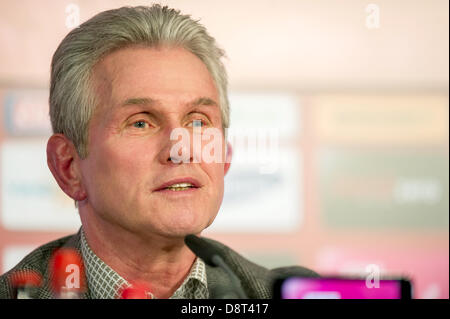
point(186, 226)
point(184, 230)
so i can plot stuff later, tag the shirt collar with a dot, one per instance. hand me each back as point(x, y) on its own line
point(105, 283)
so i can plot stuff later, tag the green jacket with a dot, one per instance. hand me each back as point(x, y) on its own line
point(255, 280)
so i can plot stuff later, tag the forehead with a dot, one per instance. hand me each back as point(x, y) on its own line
point(170, 74)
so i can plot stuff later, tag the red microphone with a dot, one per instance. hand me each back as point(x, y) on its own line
point(26, 282)
point(68, 274)
point(137, 290)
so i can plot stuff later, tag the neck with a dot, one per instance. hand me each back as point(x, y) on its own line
point(160, 262)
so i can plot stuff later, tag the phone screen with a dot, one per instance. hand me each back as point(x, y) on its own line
point(342, 288)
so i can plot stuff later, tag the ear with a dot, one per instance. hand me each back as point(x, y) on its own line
point(63, 161)
point(228, 156)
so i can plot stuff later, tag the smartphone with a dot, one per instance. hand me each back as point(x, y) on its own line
point(341, 288)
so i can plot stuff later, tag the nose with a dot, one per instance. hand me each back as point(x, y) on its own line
point(176, 146)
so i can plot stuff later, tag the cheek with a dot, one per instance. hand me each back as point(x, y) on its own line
point(112, 169)
point(216, 174)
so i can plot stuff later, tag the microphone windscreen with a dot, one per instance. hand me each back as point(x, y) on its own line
point(67, 271)
point(24, 278)
point(137, 290)
point(201, 248)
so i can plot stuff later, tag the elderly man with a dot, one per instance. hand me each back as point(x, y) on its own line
point(121, 83)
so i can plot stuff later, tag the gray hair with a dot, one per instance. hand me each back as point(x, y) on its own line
point(72, 100)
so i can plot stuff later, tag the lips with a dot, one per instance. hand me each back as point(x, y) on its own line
point(179, 184)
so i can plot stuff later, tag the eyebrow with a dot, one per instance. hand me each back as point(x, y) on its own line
point(203, 101)
point(139, 101)
point(150, 102)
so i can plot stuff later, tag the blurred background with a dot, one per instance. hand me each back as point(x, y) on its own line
point(357, 176)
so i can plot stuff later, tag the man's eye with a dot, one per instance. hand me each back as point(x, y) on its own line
point(140, 124)
point(197, 123)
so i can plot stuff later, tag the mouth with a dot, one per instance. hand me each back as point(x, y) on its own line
point(179, 185)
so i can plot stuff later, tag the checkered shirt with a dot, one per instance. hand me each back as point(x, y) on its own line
point(105, 283)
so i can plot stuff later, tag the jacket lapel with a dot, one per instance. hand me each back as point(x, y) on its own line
point(218, 282)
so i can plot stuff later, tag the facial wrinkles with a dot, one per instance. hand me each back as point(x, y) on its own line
point(113, 117)
point(103, 90)
point(175, 95)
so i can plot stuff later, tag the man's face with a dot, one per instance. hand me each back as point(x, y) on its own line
point(143, 94)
